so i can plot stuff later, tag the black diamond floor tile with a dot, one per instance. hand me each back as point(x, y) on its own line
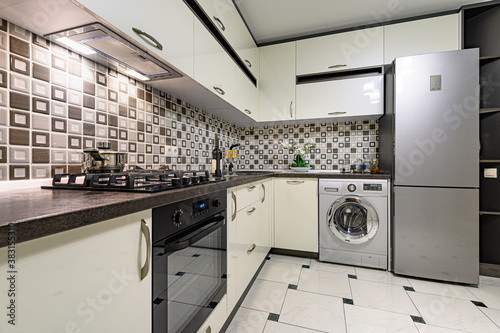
point(417, 319)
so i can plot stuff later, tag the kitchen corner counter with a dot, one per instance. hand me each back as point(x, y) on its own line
point(35, 213)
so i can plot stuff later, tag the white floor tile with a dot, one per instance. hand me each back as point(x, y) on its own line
point(274, 327)
point(489, 280)
point(326, 283)
point(442, 289)
point(248, 321)
point(334, 268)
point(454, 313)
point(267, 296)
point(489, 294)
point(362, 320)
point(290, 259)
point(376, 275)
point(319, 312)
point(424, 328)
point(493, 314)
point(382, 296)
point(280, 272)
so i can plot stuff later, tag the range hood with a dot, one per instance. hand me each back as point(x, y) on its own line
point(102, 45)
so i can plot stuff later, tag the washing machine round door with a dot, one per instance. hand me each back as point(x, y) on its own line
point(352, 220)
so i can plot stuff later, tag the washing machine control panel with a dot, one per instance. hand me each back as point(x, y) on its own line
point(372, 187)
point(351, 187)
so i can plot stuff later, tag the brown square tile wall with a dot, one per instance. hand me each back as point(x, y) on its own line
point(72, 103)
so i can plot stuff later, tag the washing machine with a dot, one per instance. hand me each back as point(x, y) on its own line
point(353, 222)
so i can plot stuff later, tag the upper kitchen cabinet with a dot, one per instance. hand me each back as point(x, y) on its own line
point(355, 49)
point(430, 35)
point(349, 97)
point(163, 27)
point(226, 18)
point(216, 71)
point(277, 82)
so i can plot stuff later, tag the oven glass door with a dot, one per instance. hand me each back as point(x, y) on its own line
point(189, 277)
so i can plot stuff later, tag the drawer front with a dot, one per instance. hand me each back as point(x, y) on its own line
point(248, 223)
point(216, 320)
point(246, 195)
point(246, 266)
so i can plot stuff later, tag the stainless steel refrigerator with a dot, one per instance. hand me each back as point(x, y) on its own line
point(430, 142)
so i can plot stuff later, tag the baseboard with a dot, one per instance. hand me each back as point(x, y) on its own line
point(303, 254)
point(489, 270)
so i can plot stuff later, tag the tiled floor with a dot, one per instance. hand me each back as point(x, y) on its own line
point(297, 295)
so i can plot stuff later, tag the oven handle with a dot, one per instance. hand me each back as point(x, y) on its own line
point(215, 223)
point(147, 235)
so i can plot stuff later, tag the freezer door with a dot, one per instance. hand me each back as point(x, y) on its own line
point(437, 119)
point(436, 233)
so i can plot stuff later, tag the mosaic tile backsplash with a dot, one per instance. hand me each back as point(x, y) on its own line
point(55, 103)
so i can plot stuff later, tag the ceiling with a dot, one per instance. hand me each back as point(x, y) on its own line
point(270, 21)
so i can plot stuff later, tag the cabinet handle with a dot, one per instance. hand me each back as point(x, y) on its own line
point(143, 34)
point(251, 188)
point(248, 111)
point(250, 211)
point(219, 90)
point(337, 66)
point(219, 22)
point(295, 182)
point(250, 250)
point(235, 208)
point(264, 196)
point(291, 110)
point(249, 64)
point(336, 113)
point(147, 235)
point(209, 329)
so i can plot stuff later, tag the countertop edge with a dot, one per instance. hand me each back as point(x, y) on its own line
point(41, 226)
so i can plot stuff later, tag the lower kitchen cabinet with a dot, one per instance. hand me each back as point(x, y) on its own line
point(249, 225)
point(296, 214)
point(217, 318)
point(84, 280)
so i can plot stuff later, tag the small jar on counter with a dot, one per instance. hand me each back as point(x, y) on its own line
point(374, 168)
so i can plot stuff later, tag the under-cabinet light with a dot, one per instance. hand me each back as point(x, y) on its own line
point(76, 46)
point(133, 73)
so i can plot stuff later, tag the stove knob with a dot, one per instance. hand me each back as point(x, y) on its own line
point(178, 217)
point(217, 203)
point(351, 187)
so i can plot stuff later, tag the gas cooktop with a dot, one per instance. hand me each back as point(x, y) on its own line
point(136, 180)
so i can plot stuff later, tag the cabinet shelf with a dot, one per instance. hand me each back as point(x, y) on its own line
point(488, 110)
point(488, 213)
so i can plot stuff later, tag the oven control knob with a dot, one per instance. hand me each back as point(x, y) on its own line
point(178, 217)
point(217, 203)
point(351, 187)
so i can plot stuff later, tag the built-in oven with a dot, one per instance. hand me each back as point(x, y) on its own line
point(189, 262)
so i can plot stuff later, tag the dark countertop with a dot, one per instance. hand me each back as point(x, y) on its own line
point(37, 212)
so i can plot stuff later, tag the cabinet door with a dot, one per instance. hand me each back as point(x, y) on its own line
point(169, 22)
point(341, 98)
point(435, 34)
point(213, 68)
point(296, 214)
point(247, 96)
point(360, 48)
point(87, 279)
point(233, 250)
point(226, 18)
point(277, 82)
point(217, 319)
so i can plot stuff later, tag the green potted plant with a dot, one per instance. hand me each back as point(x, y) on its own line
point(300, 154)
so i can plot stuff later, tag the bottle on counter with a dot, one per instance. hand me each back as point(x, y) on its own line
point(374, 168)
point(216, 159)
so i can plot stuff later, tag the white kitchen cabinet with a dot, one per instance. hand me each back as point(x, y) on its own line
point(228, 21)
point(296, 214)
point(247, 96)
point(169, 22)
point(277, 82)
point(354, 49)
point(435, 34)
point(248, 235)
point(216, 319)
point(85, 280)
point(361, 96)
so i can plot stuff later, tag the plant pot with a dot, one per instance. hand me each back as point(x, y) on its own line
point(301, 169)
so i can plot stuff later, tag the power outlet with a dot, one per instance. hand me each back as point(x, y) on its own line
point(171, 151)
